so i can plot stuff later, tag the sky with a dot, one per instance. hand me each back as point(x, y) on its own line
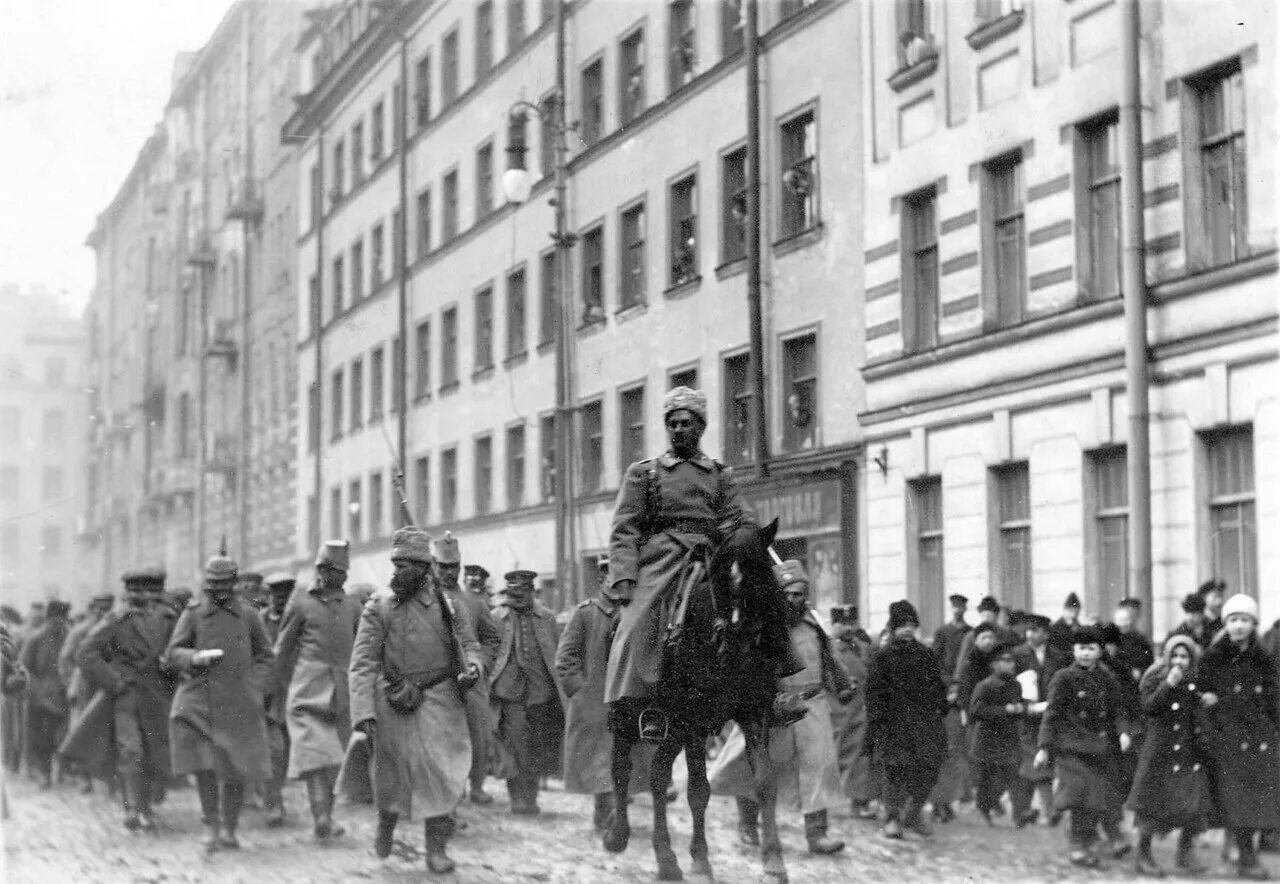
point(83, 84)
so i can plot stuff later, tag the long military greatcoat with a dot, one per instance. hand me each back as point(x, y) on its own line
point(582, 660)
point(850, 720)
point(217, 721)
point(670, 514)
point(313, 654)
point(479, 715)
point(421, 759)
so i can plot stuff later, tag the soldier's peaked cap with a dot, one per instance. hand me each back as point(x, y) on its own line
point(521, 577)
point(476, 571)
point(789, 572)
point(280, 578)
point(143, 575)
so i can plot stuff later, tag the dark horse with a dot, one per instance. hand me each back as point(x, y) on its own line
point(722, 665)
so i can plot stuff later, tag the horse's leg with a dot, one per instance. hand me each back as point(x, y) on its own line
point(618, 833)
point(774, 869)
point(659, 782)
point(699, 789)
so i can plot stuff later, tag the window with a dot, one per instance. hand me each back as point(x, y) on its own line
point(788, 8)
point(484, 180)
point(424, 222)
point(631, 76)
point(357, 154)
point(633, 257)
point(592, 428)
point(377, 368)
point(52, 484)
point(450, 206)
point(313, 520)
point(684, 377)
point(484, 475)
point(920, 271)
point(1111, 525)
point(484, 328)
point(799, 149)
point(517, 321)
point(1012, 569)
point(1006, 265)
point(731, 27)
point(1100, 164)
point(376, 504)
point(990, 10)
point(422, 358)
point(484, 38)
point(547, 456)
point(357, 394)
point(800, 389)
point(927, 515)
point(339, 169)
point(449, 68)
point(547, 280)
point(1220, 100)
point(354, 506)
point(9, 483)
point(313, 422)
point(336, 404)
point(593, 275)
point(548, 10)
point(738, 443)
point(631, 427)
point(55, 426)
point(377, 267)
point(547, 136)
point(515, 24)
point(357, 271)
point(448, 484)
point(515, 466)
point(733, 196)
point(339, 287)
point(682, 45)
point(592, 126)
point(50, 542)
point(449, 347)
point(684, 230)
point(1232, 509)
point(422, 91)
point(377, 127)
point(422, 488)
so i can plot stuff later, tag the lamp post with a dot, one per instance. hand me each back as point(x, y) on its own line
point(517, 184)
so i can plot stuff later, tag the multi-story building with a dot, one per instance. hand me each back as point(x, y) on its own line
point(41, 406)
point(995, 417)
point(191, 332)
point(656, 178)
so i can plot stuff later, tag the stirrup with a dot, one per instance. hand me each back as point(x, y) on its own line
point(654, 725)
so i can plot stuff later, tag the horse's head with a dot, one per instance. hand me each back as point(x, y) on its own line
point(742, 572)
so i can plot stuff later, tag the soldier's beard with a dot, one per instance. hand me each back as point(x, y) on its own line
point(405, 582)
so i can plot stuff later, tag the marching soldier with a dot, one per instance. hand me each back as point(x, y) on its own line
point(217, 729)
point(447, 564)
point(280, 587)
point(475, 580)
point(47, 707)
point(525, 697)
point(79, 691)
point(415, 656)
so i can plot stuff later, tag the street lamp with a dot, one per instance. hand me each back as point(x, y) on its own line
point(517, 183)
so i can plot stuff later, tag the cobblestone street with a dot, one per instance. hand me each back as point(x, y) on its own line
point(61, 836)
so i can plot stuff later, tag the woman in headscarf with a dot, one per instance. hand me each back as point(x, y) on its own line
point(1171, 784)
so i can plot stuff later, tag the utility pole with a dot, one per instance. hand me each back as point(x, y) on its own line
point(400, 360)
point(755, 309)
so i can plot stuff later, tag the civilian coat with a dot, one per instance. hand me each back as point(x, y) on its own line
point(670, 514)
point(78, 689)
point(546, 728)
point(947, 642)
point(1171, 783)
point(995, 729)
point(421, 759)
point(46, 691)
point(850, 720)
point(1244, 731)
point(218, 722)
point(313, 653)
point(1085, 714)
point(1024, 659)
point(906, 705)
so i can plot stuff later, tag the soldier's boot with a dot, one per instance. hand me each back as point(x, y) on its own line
point(232, 802)
point(386, 831)
point(330, 779)
point(146, 817)
point(602, 811)
point(815, 832)
point(478, 794)
point(748, 822)
point(1186, 860)
point(130, 792)
point(207, 788)
point(436, 833)
point(531, 787)
point(521, 805)
point(316, 800)
point(273, 803)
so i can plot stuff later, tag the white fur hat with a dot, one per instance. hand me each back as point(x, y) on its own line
point(1240, 604)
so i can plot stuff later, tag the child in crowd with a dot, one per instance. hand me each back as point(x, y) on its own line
point(996, 709)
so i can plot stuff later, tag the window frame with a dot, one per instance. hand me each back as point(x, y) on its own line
point(422, 90)
point(920, 327)
point(377, 132)
point(591, 439)
point(484, 180)
point(449, 483)
point(422, 359)
point(423, 215)
point(377, 385)
point(450, 370)
point(591, 125)
point(1004, 307)
point(592, 273)
point(735, 452)
point(793, 437)
point(449, 199)
point(677, 253)
point(1005, 529)
point(926, 543)
point(517, 319)
point(450, 64)
point(1091, 184)
point(633, 254)
point(377, 256)
point(337, 402)
point(517, 27)
point(548, 297)
point(484, 54)
point(632, 92)
point(1226, 77)
point(516, 457)
point(630, 423)
point(733, 195)
point(809, 204)
point(547, 442)
point(356, 391)
point(482, 300)
point(682, 45)
point(482, 473)
point(1241, 500)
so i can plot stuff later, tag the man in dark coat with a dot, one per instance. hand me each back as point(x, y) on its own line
point(1271, 644)
point(1035, 664)
point(475, 580)
point(121, 661)
point(1062, 630)
point(672, 511)
point(280, 587)
point(525, 697)
point(953, 781)
point(1214, 593)
point(906, 707)
point(950, 635)
point(47, 706)
point(312, 656)
point(79, 691)
point(1193, 623)
point(217, 727)
point(446, 567)
point(996, 708)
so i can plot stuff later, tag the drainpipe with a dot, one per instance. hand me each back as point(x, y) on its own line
point(402, 270)
point(317, 334)
point(246, 326)
point(1133, 284)
point(760, 424)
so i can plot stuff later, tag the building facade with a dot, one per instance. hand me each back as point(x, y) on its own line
point(41, 406)
point(995, 416)
point(190, 323)
point(655, 201)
